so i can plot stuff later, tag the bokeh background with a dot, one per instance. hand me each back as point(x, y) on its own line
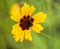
point(49, 38)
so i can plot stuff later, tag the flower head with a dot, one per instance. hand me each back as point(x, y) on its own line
point(22, 15)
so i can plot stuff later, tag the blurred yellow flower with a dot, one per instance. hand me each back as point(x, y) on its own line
point(22, 15)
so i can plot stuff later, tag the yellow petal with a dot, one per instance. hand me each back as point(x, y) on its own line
point(22, 36)
point(37, 28)
point(28, 35)
point(15, 13)
point(39, 17)
point(25, 9)
point(18, 33)
point(31, 10)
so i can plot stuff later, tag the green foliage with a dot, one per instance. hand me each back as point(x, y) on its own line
point(48, 39)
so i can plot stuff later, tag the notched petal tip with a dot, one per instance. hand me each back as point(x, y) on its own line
point(37, 28)
point(39, 17)
point(31, 10)
point(14, 6)
point(28, 35)
point(15, 12)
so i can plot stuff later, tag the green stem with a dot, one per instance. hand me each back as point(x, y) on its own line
point(50, 37)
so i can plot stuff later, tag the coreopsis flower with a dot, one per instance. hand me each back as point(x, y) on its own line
point(25, 21)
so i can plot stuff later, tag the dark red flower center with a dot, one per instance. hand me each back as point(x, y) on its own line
point(26, 22)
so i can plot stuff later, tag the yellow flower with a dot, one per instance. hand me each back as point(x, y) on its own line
point(22, 15)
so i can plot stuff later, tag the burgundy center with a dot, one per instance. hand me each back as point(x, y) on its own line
point(26, 22)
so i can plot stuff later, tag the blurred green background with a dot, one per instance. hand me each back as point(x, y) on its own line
point(49, 38)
